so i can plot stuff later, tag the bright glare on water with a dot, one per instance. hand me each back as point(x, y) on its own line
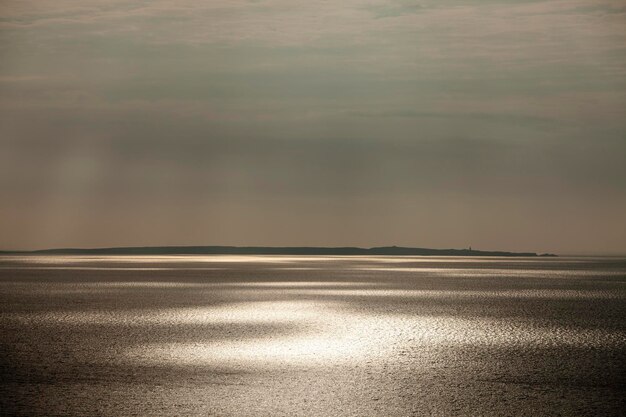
point(284, 335)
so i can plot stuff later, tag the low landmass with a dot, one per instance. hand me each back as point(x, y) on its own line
point(268, 250)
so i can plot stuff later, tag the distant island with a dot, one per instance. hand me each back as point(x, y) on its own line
point(265, 250)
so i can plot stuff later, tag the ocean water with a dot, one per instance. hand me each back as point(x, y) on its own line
point(311, 336)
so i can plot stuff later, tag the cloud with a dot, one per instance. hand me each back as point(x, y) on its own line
point(191, 104)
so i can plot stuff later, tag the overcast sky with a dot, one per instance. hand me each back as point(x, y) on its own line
point(499, 124)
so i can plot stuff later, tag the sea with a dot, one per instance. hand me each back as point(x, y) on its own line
point(312, 336)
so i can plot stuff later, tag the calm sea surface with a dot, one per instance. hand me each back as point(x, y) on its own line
point(311, 336)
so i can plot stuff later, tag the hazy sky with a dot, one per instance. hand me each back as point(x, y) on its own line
point(499, 124)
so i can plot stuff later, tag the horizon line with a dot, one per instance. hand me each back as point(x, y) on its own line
point(269, 250)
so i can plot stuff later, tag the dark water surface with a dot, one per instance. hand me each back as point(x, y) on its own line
point(312, 336)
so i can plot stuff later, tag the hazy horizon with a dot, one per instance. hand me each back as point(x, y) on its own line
point(569, 254)
point(258, 246)
point(493, 124)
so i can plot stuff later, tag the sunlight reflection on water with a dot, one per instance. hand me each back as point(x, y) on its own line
point(152, 259)
point(218, 333)
point(329, 335)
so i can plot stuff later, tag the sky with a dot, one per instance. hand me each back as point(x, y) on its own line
point(496, 124)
